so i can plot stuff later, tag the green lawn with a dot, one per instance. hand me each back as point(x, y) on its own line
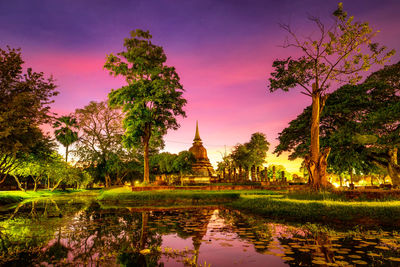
point(326, 211)
point(167, 197)
point(10, 197)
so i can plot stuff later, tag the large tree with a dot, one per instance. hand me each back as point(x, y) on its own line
point(100, 142)
point(360, 123)
point(337, 55)
point(66, 132)
point(152, 98)
point(24, 106)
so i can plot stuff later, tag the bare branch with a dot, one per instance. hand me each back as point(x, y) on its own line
point(304, 93)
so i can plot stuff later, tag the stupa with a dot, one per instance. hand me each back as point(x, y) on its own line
point(202, 170)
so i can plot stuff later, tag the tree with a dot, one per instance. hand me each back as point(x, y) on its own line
point(336, 56)
point(241, 158)
point(35, 164)
point(152, 98)
point(66, 132)
point(361, 124)
point(183, 163)
point(226, 164)
point(258, 147)
point(24, 106)
point(100, 142)
point(250, 154)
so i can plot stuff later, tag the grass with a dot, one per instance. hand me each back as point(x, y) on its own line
point(325, 211)
point(167, 197)
point(11, 197)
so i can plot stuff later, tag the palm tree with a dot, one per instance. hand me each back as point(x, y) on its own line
point(66, 132)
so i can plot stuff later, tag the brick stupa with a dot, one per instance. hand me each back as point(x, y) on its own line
point(202, 170)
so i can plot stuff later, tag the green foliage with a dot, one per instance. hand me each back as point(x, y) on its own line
point(252, 153)
point(278, 171)
point(163, 163)
point(258, 147)
point(35, 164)
point(152, 98)
point(167, 163)
point(24, 106)
point(183, 162)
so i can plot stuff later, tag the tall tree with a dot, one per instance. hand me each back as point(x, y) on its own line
point(24, 106)
point(66, 132)
point(152, 98)
point(337, 55)
point(361, 124)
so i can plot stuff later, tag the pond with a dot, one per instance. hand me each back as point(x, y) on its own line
point(84, 232)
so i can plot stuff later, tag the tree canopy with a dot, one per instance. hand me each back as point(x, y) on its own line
point(152, 98)
point(252, 153)
point(100, 143)
point(25, 99)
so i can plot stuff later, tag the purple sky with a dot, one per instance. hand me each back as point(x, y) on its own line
point(222, 50)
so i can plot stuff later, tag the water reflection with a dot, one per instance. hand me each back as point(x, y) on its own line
point(81, 232)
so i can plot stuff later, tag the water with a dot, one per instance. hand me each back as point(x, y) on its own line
point(83, 232)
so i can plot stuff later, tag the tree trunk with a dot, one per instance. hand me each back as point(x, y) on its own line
point(57, 184)
point(351, 175)
point(317, 162)
point(18, 183)
point(146, 177)
point(273, 174)
point(314, 146)
point(394, 167)
point(146, 141)
point(35, 185)
point(143, 233)
point(66, 153)
point(107, 180)
point(341, 180)
point(180, 172)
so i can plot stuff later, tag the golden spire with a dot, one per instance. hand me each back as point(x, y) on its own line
point(197, 135)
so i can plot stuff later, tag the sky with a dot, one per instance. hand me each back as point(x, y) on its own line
point(222, 50)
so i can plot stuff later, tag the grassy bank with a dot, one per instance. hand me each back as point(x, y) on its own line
point(386, 213)
point(10, 197)
point(302, 207)
point(167, 197)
